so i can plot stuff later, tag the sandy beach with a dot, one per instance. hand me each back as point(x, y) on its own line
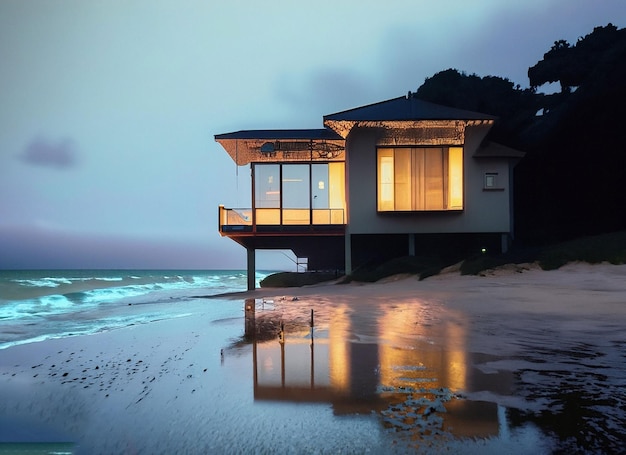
point(517, 361)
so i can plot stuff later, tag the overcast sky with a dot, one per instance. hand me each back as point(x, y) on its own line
point(108, 108)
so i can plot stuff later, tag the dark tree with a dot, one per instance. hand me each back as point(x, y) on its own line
point(572, 66)
point(571, 182)
point(515, 108)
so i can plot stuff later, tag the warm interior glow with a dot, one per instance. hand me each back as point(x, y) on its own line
point(433, 180)
point(305, 194)
point(385, 179)
point(403, 197)
point(296, 216)
point(321, 216)
point(337, 185)
point(455, 178)
point(267, 216)
point(420, 178)
point(338, 216)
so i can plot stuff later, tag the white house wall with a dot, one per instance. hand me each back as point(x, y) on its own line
point(484, 211)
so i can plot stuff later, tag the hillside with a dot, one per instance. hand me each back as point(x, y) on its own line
point(570, 183)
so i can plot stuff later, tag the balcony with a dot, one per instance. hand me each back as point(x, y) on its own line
point(272, 221)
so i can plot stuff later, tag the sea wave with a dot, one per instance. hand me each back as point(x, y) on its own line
point(57, 303)
point(23, 285)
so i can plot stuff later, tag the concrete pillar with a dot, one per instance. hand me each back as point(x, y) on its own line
point(504, 239)
point(411, 244)
point(251, 268)
point(348, 253)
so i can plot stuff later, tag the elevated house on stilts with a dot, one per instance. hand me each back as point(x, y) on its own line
point(390, 179)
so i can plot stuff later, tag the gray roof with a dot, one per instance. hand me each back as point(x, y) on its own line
point(405, 108)
point(494, 150)
point(320, 134)
point(282, 145)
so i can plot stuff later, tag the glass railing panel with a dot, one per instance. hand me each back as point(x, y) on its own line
point(268, 216)
point(296, 216)
point(337, 216)
point(236, 217)
point(321, 216)
point(243, 217)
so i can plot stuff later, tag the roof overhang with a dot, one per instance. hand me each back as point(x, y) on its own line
point(403, 113)
point(282, 145)
point(495, 150)
point(406, 132)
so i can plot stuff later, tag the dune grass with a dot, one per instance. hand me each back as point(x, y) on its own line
point(593, 249)
point(293, 279)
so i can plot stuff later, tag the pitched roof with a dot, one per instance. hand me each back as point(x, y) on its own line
point(405, 108)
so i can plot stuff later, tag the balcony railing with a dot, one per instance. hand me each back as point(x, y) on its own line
point(247, 220)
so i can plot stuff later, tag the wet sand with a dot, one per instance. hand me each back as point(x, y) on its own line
point(518, 361)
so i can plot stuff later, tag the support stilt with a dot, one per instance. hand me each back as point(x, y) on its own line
point(251, 268)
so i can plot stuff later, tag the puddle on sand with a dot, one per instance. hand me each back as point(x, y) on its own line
point(412, 377)
point(408, 363)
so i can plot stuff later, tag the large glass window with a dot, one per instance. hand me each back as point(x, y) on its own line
point(267, 186)
point(420, 179)
point(300, 193)
point(296, 194)
point(267, 193)
point(319, 186)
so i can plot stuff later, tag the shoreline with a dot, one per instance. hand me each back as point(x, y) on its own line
point(150, 387)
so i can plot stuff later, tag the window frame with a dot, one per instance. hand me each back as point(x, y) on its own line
point(321, 200)
point(451, 174)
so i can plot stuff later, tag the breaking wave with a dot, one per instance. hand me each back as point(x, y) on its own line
point(40, 303)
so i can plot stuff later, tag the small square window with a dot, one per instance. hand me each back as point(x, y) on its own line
point(491, 180)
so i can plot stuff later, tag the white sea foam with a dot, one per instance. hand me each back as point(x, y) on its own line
point(44, 304)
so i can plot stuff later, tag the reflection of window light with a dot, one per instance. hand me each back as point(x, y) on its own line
point(320, 185)
point(270, 179)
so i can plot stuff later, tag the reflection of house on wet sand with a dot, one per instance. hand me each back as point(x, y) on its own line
point(389, 366)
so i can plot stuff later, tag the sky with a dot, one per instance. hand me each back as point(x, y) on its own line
point(108, 108)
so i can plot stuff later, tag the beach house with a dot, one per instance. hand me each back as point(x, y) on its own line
point(390, 179)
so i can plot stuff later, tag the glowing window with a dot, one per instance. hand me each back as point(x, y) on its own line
point(299, 193)
point(420, 179)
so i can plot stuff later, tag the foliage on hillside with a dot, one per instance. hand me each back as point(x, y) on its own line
point(571, 181)
point(291, 279)
point(569, 188)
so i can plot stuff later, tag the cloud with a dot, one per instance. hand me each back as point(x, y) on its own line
point(44, 152)
point(323, 91)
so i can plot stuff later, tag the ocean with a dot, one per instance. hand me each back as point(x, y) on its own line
point(39, 304)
